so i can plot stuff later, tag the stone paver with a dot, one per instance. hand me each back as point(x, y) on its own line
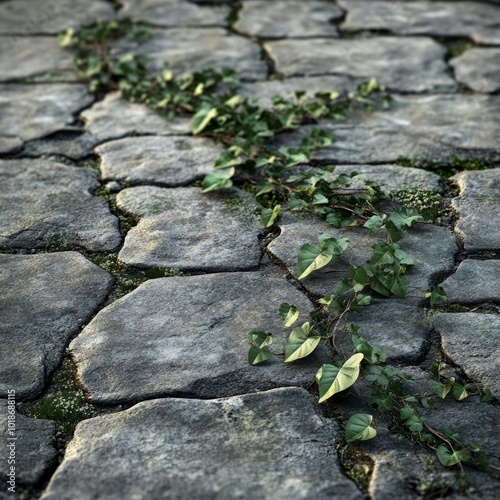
point(288, 18)
point(476, 205)
point(188, 50)
point(171, 161)
point(49, 17)
point(32, 444)
point(479, 69)
point(45, 300)
point(432, 248)
point(434, 127)
point(476, 20)
point(69, 142)
point(114, 117)
point(185, 229)
point(32, 111)
point(414, 66)
point(471, 341)
point(224, 448)
point(475, 281)
point(188, 335)
point(170, 13)
point(34, 56)
point(47, 204)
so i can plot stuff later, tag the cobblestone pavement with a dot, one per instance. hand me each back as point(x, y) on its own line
point(85, 181)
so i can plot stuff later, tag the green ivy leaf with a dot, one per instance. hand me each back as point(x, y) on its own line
point(359, 428)
point(202, 118)
point(374, 223)
point(269, 215)
point(289, 314)
point(300, 343)
point(485, 396)
point(404, 217)
point(217, 180)
point(258, 355)
point(449, 458)
point(437, 296)
point(442, 390)
point(312, 258)
point(332, 380)
point(460, 391)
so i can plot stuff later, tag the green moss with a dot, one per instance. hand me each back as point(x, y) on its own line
point(357, 465)
point(428, 204)
point(56, 242)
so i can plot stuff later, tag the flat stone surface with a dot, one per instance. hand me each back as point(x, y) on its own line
point(432, 248)
point(33, 449)
point(170, 13)
point(23, 57)
point(172, 161)
point(187, 229)
point(393, 178)
point(475, 281)
point(479, 69)
point(258, 446)
point(476, 20)
point(288, 18)
point(114, 117)
point(49, 17)
point(188, 50)
point(70, 142)
point(471, 341)
point(188, 335)
point(476, 205)
point(45, 300)
point(31, 111)
point(434, 127)
point(46, 204)
point(414, 66)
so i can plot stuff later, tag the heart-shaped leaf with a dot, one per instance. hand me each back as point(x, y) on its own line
point(358, 428)
point(300, 343)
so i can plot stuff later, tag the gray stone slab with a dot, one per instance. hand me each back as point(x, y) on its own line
point(258, 446)
point(70, 142)
point(170, 13)
point(188, 50)
point(417, 65)
point(186, 229)
point(31, 111)
point(477, 204)
point(27, 441)
point(25, 57)
point(434, 127)
point(393, 178)
point(47, 204)
point(172, 161)
point(432, 248)
point(474, 282)
point(479, 69)
point(288, 19)
point(476, 20)
point(45, 300)
point(188, 335)
point(49, 17)
point(471, 341)
point(114, 117)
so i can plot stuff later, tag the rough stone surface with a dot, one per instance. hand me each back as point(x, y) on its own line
point(113, 117)
point(429, 127)
point(70, 142)
point(172, 13)
point(471, 341)
point(256, 446)
point(479, 69)
point(186, 229)
point(188, 335)
point(476, 20)
point(392, 178)
point(34, 56)
point(288, 18)
point(477, 204)
point(414, 66)
point(49, 17)
point(33, 446)
point(432, 248)
point(475, 281)
point(45, 300)
point(188, 50)
point(172, 161)
point(47, 204)
point(32, 111)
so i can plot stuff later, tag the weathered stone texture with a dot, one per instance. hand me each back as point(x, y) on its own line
point(479, 69)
